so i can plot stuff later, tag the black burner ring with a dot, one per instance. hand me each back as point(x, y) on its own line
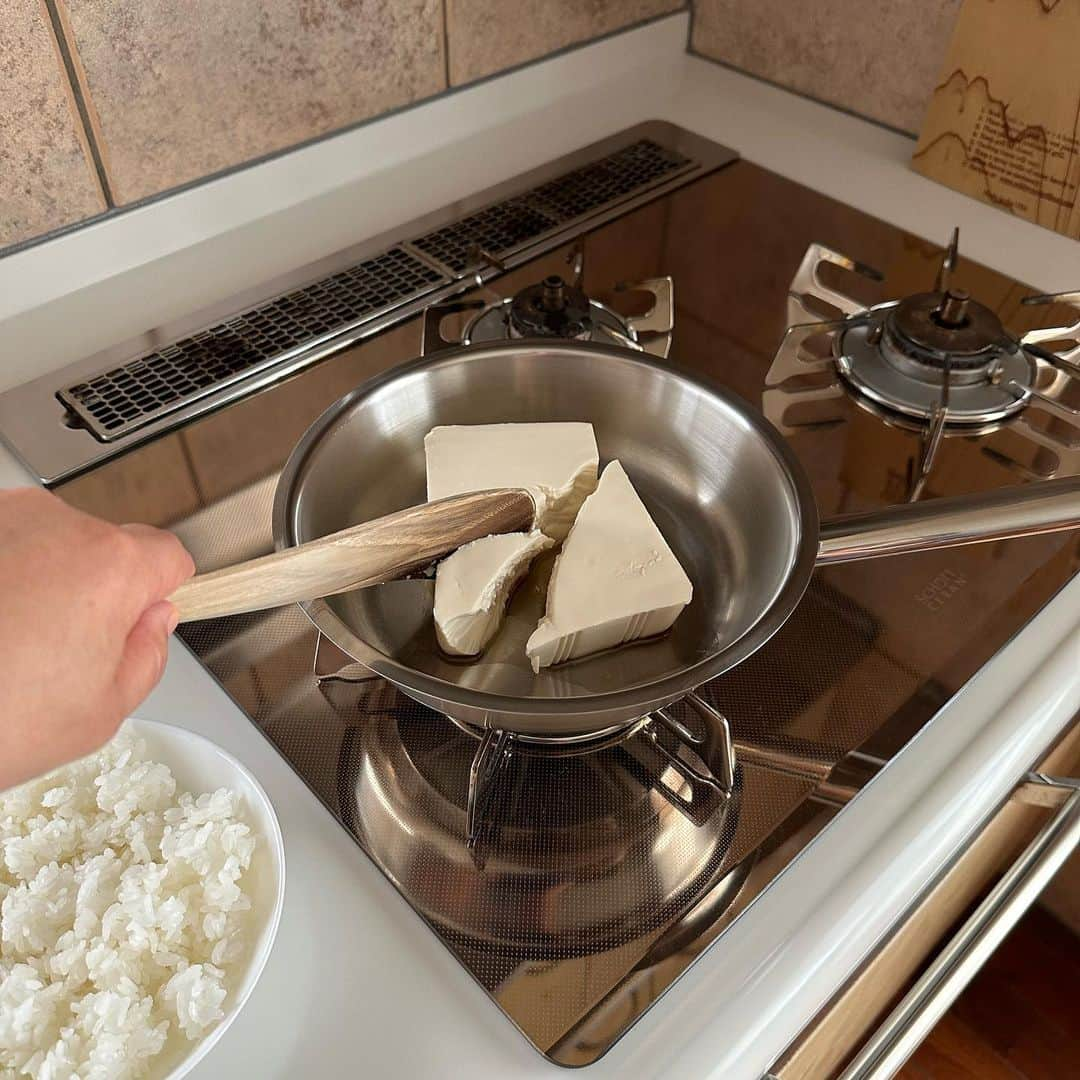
point(551, 308)
point(933, 328)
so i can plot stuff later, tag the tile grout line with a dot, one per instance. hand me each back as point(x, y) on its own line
point(80, 102)
point(446, 42)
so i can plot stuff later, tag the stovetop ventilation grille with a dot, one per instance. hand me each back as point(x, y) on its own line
point(122, 399)
point(509, 225)
point(117, 401)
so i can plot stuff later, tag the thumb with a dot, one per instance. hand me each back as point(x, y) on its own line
point(144, 656)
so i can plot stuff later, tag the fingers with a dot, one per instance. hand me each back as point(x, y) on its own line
point(143, 659)
point(167, 563)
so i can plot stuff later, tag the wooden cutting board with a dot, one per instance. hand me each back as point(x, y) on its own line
point(1004, 120)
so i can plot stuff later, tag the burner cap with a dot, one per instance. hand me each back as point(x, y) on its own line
point(551, 309)
point(933, 326)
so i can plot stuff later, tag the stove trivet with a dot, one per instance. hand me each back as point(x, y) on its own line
point(940, 363)
point(711, 776)
point(557, 308)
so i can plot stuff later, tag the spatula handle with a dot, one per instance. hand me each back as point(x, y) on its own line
point(366, 554)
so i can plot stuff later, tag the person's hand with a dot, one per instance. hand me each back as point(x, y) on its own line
point(84, 627)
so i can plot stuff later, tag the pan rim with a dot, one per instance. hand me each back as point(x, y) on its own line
point(644, 695)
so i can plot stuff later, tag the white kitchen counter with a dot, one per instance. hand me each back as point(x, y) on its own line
point(356, 984)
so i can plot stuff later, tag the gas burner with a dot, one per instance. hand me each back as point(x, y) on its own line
point(551, 309)
point(557, 308)
point(937, 328)
point(938, 362)
point(933, 351)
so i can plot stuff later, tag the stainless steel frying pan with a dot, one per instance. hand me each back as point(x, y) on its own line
point(722, 485)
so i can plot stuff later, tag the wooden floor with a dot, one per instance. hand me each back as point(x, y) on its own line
point(1019, 1019)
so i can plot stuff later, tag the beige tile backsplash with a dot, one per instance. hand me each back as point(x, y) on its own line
point(180, 91)
point(487, 36)
point(185, 90)
point(46, 177)
point(878, 58)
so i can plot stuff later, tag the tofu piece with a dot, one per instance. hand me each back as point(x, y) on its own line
point(615, 580)
point(473, 587)
point(561, 459)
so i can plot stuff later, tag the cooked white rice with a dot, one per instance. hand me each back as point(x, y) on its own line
point(122, 912)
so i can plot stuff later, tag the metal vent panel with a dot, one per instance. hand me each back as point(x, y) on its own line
point(622, 173)
point(498, 229)
point(120, 400)
point(506, 226)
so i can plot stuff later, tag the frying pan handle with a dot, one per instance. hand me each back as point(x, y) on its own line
point(1044, 507)
point(376, 551)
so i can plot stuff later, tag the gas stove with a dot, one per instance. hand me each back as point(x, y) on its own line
point(576, 881)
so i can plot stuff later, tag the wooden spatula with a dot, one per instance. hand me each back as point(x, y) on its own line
point(376, 551)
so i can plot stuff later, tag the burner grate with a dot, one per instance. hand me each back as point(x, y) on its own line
point(905, 362)
point(120, 400)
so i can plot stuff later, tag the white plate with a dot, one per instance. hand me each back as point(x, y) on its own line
point(200, 766)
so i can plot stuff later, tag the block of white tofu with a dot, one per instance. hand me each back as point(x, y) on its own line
point(473, 587)
point(559, 458)
point(615, 580)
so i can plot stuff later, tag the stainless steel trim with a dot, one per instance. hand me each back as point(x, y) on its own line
point(1050, 506)
point(32, 418)
point(1039, 789)
point(928, 1000)
point(1065, 783)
